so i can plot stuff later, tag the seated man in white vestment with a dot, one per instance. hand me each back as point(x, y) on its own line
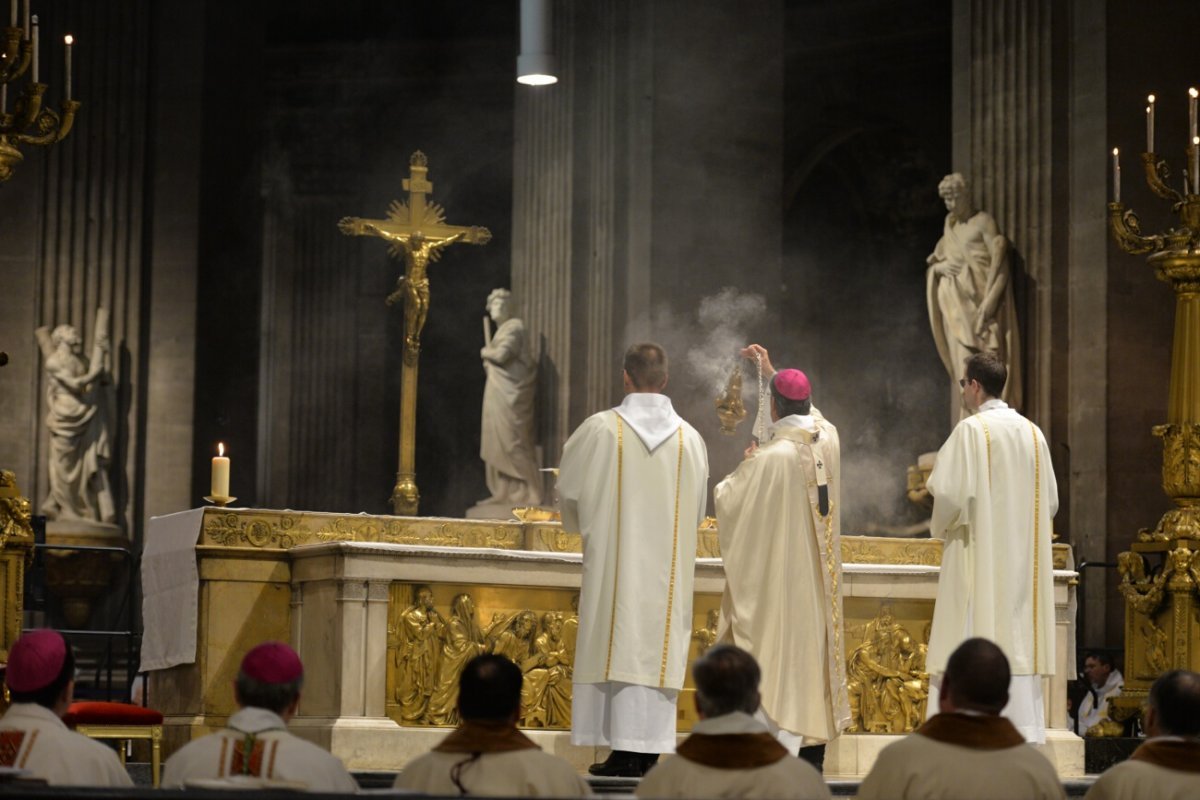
point(778, 515)
point(967, 749)
point(730, 754)
point(1167, 765)
point(1105, 682)
point(633, 481)
point(41, 680)
point(486, 755)
point(994, 496)
point(255, 747)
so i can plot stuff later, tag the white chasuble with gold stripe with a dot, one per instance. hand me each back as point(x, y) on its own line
point(994, 496)
point(633, 481)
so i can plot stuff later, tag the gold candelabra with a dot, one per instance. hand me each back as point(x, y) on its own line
point(1160, 574)
point(29, 121)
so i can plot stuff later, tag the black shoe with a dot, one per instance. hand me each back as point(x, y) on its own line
point(648, 760)
point(815, 755)
point(619, 764)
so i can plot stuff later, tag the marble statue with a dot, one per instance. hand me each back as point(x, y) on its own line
point(970, 293)
point(77, 419)
point(506, 426)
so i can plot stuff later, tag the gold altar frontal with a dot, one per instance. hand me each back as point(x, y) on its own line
point(385, 611)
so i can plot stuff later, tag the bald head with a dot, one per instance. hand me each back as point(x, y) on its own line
point(976, 679)
point(1174, 704)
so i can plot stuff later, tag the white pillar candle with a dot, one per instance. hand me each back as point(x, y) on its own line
point(1196, 165)
point(220, 473)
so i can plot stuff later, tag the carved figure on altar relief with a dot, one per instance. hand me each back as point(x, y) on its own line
point(77, 420)
point(707, 636)
point(506, 441)
point(969, 289)
point(886, 677)
point(512, 637)
point(417, 655)
point(546, 693)
point(462, 640)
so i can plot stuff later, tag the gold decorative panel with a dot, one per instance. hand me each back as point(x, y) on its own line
point(434, 630)
point(886, 642)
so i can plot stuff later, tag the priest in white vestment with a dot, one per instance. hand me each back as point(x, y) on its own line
point(40, 676)
point(967, 749)
point(778, 516)
point(1167, 765)
point(730, 753)
point(633, 481)
point(486, 755)
point(255, 748)
point(994, 496)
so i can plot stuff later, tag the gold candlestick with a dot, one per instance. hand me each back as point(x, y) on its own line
point(1160, 573)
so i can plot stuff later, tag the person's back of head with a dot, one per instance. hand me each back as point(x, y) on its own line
point(646, 366)
point(727, 679)
point(976, 679)
point(1174, 705)
point(41, 667)
point(988, 369)
point(271, 676)
point(489, 690)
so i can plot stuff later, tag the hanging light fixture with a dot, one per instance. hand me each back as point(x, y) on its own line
point(536, 64)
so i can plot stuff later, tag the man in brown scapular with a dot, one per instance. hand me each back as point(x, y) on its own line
point(967, 749)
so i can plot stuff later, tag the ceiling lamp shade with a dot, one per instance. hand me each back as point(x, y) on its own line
point(536, 65)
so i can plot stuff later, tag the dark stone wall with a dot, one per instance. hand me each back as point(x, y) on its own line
point(868, 138)
point(1143, 59)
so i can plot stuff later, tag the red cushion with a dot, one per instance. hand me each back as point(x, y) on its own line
point(99, 713)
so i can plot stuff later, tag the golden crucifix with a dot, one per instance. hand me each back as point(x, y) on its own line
point(417, 233)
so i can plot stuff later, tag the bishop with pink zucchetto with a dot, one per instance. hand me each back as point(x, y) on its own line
point(255, 748)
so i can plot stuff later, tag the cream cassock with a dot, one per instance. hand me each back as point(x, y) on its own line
point(633, 481)
point(994, 496)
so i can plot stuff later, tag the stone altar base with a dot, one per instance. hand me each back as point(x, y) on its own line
point(346, 592)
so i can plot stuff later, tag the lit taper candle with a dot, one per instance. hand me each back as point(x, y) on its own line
point(1150, 124)
point(69, 41)
point(1116, 175)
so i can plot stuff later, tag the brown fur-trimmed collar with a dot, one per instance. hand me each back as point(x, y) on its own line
point(485, 737)
point(982, 732)
point(732, 750)
point(1170, 753)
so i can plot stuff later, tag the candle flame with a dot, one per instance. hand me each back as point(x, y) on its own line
point(1115, 151)
point(1151, 99)
point(1196, 140)
point(69, 39)
point(1193, 93)
point(220, 448)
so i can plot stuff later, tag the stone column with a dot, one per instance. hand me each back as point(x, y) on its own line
point(1002, 143)
point(647, 178)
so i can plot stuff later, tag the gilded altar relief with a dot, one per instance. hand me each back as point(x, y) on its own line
point(886, 643)
point(434, 630)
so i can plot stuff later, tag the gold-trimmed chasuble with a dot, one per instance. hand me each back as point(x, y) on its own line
point(417, 232)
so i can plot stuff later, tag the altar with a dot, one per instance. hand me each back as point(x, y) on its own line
point(384, 611)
